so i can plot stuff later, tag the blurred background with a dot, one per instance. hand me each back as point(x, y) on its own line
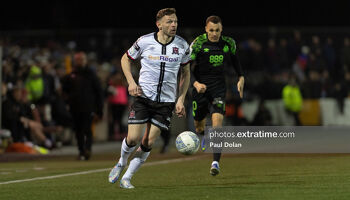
point(295, 56)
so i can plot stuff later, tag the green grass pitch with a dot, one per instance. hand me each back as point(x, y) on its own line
point(243, 176)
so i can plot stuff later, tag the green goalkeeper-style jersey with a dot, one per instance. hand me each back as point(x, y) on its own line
point(211, 58)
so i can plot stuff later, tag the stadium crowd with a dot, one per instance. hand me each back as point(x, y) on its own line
point(34, 107)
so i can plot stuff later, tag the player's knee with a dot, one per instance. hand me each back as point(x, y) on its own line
point(217, 123)
point(217, 119)
point(149, 143)
point(132, 141)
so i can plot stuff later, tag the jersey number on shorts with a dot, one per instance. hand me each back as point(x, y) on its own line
point(194, 108)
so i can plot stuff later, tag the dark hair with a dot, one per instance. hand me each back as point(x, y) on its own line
point(165, 11)
point(214, 19)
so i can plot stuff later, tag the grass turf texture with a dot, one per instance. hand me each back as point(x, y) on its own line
point(244, 176)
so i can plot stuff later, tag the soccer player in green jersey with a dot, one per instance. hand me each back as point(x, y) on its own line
point(211, 51)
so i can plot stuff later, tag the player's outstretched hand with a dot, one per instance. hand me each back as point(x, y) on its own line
point(134, 90)
point(240, 86)
point(180, 109)
point(201, 88)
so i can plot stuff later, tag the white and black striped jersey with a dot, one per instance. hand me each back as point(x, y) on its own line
point(160, 64)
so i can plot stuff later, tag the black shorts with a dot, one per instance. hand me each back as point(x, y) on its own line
point(158, 113)
point(212, 101)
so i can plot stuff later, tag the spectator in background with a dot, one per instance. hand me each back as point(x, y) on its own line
point(295, 45)
point(11, 115)
point(85, 98)
point(315, 44)
point(347, 83)
point(345, 55)
point(18, 118)
point(233, 107)
point(292, 99)
point(35, 84)
point(257, 56)
point(283, 57)
point(263, 116)
point(339, 92)
point(272, 59)
point(50, 83)
point(329, 55)
point(327, 84)
point(312, 87)
point(315, 63)
point(53, 94)
point(252, 55)
point(118, 102)
point(8, 74)
point(299, 66)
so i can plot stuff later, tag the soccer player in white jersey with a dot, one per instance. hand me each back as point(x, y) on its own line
point(161, 55)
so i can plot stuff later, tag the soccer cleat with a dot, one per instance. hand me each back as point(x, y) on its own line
point(125, 183)
point(115, 173)
point(215, 169)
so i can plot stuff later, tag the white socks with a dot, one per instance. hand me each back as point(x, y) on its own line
point(139, 158)
point(125, 153)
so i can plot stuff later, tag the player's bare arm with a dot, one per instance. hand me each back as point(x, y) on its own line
point(240, 86)
point(133, 88)
point(200, 87)
point(185, 80)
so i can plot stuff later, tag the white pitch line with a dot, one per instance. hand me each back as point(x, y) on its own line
point(97, 170)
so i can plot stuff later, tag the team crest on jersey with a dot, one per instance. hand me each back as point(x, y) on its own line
point(175, 50)
point(132, 114)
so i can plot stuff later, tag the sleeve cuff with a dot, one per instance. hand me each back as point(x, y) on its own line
point(131, 58)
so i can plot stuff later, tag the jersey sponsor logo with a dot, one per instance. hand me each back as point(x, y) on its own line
point(206, 50)
point(175, 50)
point(164, 58)
point(216, 60)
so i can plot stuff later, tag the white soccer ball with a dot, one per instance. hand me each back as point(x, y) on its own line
point(187, 143)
